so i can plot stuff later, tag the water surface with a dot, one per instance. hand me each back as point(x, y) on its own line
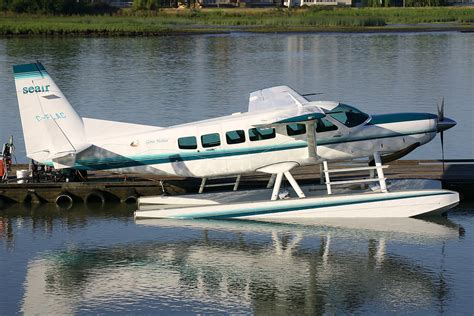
point(101, 261)
point(168, 80)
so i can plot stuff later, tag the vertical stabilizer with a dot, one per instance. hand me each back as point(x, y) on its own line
point(53, 131)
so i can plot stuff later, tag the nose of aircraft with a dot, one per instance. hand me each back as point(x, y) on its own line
point(445, 124)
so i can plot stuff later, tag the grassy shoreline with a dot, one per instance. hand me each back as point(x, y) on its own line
point(205, 21)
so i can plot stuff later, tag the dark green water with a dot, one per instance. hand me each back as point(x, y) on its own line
point(101, 261)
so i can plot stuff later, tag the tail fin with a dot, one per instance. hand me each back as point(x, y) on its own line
point(53, 131)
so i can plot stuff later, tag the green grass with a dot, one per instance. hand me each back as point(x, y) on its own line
point(216, 20)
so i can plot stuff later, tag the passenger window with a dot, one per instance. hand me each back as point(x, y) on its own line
point(295, 129)
point(210, 140)
point(235, 137)
point(323, 125)
point(187, 142)
point(260, 133)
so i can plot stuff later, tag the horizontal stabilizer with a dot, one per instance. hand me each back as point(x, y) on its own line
point(64, 160)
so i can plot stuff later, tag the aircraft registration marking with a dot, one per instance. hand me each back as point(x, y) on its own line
point(48, 116)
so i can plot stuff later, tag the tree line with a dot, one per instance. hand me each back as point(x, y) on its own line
point(72, 7)
point(57, 7)
point(402, 3)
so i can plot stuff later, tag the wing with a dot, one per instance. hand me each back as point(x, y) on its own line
point(285, 106)
point(303, 114)
point(275, 98)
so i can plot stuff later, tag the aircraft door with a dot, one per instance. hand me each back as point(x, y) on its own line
point(237, 150)
point(211, 150)
point(328, 128)
point(183, 162)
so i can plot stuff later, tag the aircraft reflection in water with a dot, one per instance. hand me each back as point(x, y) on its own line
point(230, 266)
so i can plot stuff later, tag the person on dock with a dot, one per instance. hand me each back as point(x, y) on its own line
point(35, 171)
point(6, 158)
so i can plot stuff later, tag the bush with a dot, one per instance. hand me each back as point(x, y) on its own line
point(24, 6)
point(66, 7)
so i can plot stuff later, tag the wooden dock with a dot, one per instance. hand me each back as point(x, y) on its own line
point(103, 187)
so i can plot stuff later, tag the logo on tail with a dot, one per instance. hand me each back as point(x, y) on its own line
point(36, 89)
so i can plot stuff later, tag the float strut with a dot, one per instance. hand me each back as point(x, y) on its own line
point(276, 188)
point(295, 185)
point(380, 175)
point(271, 182)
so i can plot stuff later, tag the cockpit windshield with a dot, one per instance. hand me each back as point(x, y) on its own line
point(348, 115)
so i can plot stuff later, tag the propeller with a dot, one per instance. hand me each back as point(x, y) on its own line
point(441, 110)
point(443, 123)
point(441, 131)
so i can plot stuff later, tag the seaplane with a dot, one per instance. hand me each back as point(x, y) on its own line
point(281, 130)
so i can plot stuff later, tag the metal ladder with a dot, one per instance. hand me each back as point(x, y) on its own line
point(204, 185)
point(378, 167)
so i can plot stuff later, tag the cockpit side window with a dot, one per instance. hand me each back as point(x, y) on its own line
point(295, 129)
point(323, 125)
point(348, 115)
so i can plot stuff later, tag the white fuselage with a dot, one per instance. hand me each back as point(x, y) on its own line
point(158, 151)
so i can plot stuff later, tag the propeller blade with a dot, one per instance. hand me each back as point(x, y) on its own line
point(441, 110)
point(442, 148)
point(443, 125)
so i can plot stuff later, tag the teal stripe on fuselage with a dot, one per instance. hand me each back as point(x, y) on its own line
point(125, 162)
point(400, 117)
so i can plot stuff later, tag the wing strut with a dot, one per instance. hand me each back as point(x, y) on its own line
point(311, 138)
